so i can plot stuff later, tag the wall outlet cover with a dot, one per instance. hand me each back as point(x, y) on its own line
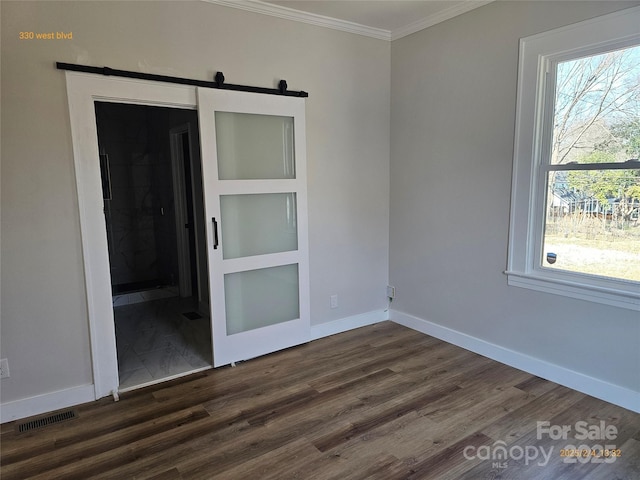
point(334, 301)
point(4, 368)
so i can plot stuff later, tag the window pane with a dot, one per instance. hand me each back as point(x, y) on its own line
point(254, 146)
point(258, 224)
point(597, 108)
point(259, 298)
point(592, 223)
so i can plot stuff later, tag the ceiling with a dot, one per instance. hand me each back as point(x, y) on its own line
point(384, 19)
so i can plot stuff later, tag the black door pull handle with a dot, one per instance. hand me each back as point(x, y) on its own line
point(215, 233)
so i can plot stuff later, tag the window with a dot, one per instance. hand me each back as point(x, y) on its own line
point(575, 212)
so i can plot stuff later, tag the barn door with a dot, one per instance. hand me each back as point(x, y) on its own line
point(254, 175)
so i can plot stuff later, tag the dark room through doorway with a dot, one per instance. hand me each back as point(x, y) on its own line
point(154, 216)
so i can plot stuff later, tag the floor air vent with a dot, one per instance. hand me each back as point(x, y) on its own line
point(192, 315)
point(44, 421)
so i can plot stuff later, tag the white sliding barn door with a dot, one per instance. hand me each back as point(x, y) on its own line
point(254, 176)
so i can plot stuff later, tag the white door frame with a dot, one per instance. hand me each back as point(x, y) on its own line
point(180, 207)
point(196, 200)
point(82, 91)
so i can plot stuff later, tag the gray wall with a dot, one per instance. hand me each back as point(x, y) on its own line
point(452, 132)
point(44, 322)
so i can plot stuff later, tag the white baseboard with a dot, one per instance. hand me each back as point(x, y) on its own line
point(47, 402)
point(348, 323)
point(609, 392)
point(615, 394)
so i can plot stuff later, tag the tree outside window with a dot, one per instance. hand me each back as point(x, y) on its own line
point(592, 223)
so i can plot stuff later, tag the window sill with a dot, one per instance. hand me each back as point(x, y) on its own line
point(624, 298)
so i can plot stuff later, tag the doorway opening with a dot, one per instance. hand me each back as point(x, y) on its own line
point(154, 215)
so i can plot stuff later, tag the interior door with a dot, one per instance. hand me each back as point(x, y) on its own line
point(254, 175)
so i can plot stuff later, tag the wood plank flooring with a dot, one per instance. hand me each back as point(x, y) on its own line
point(380, 402)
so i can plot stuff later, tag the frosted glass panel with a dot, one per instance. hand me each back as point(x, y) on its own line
point(259, 298)
point(258, 224)
point(254, 146)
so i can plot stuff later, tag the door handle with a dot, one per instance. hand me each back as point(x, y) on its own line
point(215, 233)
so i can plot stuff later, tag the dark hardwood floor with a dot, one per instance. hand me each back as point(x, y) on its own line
point(379, 402)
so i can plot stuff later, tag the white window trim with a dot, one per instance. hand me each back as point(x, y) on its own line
point(537, 52)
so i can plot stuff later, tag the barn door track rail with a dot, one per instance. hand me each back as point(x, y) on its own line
point(217, 83)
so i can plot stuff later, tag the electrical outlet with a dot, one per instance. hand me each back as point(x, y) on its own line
point(4, 368)
point(391, 292)
point(334, 301)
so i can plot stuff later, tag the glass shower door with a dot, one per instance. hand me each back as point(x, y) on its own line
point(255, 195)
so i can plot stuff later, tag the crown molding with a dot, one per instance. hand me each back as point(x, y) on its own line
point(257, 6)
point(287, 13)
point(439, 17)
